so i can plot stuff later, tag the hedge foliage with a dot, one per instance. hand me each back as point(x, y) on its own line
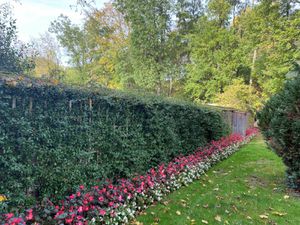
point(280, 124)
point(54, 138)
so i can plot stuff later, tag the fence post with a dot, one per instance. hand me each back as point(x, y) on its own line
point(70, 105)
point(14, 102)
point(91, 109)
point(30, 104)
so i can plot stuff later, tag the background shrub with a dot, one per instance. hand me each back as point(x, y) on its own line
point(280, 124)
point(57, 138)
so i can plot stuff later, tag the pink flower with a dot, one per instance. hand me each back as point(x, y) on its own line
point(69, 220)
point(91, 198)
point(101, 199)
point(72, 196)
point(16, 221)
point(81, 187)
point(29, 215)
point(79, 223)
point(110, 204)
point(120, 198)
point(102, 212)
point(80, 209)
point(9, 216)
point(79, 217)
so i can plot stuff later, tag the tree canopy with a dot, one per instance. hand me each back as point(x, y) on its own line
point(203, 51)
point(14, 55)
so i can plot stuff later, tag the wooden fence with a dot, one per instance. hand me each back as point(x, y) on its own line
point(238, 121)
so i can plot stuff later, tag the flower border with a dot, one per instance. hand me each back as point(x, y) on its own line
point(119, 203)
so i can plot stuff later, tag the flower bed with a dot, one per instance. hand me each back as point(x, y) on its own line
point(119, 203)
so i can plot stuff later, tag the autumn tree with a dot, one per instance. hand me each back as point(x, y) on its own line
point(107, 32)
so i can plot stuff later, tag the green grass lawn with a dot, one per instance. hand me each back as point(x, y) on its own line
point(247, 188)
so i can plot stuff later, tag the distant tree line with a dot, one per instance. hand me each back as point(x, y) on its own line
point(228, 52)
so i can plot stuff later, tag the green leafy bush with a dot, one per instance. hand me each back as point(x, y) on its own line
point(53, 139)
point(280, 124)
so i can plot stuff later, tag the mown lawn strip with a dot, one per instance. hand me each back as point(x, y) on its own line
point(247, 188)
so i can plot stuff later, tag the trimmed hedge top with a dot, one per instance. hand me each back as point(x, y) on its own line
point(53, 138)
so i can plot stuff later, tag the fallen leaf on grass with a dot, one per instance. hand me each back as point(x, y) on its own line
point(204, 221)
point(218, 218)
point(178, 213)
point(249, 218)
point(235, 208)
point(165, 203)
point(279, 213)
point(286, 197)
point(219, 197)
point(156, 219)
point(205, 206)
point(263, 216)
point(166, 210)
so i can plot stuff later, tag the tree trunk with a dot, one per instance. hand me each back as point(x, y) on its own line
point(253, 66)
point(171, 86)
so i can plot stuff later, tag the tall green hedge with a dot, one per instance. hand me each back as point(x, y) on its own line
point(280, 124)
point(54, 138)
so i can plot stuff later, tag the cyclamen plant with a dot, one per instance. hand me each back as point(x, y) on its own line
point(119, 203)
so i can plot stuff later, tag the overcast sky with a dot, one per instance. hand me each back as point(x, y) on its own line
point(34, 16)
